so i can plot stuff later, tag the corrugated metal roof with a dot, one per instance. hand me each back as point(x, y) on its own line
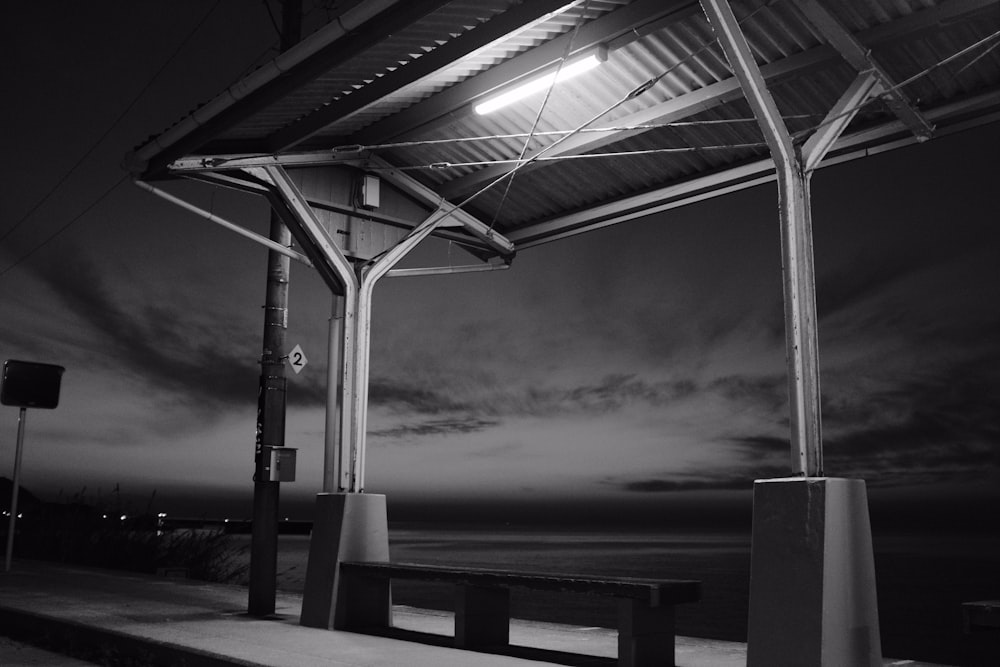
point(668, 41)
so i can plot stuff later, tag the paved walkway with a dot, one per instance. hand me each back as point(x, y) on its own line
point(19, 654)
point(177, 619)
point(167, 621)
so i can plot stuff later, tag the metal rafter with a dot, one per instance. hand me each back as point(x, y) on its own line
point(434, 110)
point(235, 171)
point(718, 93)
point(672, 110)
point(396, 18)
point(700, 188)
point(512, 21)
point(861, 59)
point(240, 161)
point(472, 224)
point(244, 99)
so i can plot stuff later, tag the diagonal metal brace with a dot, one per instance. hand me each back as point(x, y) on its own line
point(472, 224)
point(860, 58)
point(839, 117)
point(338, 273)
point(315, 241)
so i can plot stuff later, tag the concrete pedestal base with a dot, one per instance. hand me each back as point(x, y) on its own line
point(347, 527)
point(812, 575)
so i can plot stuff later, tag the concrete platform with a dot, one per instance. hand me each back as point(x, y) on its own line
point(19, 654)
point(94, 614)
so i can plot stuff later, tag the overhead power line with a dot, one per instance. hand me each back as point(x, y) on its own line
point(66, 226)
point(110, 129)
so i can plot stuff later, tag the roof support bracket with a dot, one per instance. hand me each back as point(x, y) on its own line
point(242, 161)
point(340, 277)
point(472, 224)
point(861, 59)
point(347, 390)
point(796, 240)
point(368, 275)
point(222, 222)
point(839, 117)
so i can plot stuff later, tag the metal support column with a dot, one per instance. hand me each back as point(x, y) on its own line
point(333, 449)
point(369, 275)
point(356, 284)
point(339, 275)
point(796, 245)
point(812, 572)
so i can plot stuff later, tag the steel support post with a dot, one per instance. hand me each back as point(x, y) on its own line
point(369, 276)
point(347, 469)
point(334, 453)
point(339, 275)
point(812, 574)
point(796, 241)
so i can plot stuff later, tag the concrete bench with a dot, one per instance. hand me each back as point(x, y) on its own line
point(981, 623)
point(482, 604)
point(983, 616)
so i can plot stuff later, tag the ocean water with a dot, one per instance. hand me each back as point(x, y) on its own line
point(922, 579)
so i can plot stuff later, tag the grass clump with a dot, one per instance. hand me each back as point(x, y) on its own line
point(85, 533)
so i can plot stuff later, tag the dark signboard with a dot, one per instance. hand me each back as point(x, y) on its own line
point(28, 384)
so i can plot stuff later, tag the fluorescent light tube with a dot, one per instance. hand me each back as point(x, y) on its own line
point(568, 71)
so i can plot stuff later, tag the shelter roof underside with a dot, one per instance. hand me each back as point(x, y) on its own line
point(398, 90)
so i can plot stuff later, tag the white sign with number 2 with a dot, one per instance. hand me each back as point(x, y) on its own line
point(297, 358)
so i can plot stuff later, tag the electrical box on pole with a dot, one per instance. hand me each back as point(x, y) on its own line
point(276, 464)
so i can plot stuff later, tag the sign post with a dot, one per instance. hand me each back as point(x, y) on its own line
point(26, 385)
point(14, 489)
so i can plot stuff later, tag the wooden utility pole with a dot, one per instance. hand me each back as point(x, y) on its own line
point(271, 395)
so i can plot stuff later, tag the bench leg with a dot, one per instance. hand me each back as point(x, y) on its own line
point(363, 602)
point(645, 634)
point(482, 617)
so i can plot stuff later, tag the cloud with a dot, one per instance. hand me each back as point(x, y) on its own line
point(502, 450)
point(726, 479)
point(940, 426)
point(168, 348)
point(436, 427)
point(488, 401)
point(863, 279)
point(615, 391)
point(756, 448)
point(399, 395)
point(769, 392)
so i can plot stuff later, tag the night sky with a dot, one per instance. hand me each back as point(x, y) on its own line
point(633, 371)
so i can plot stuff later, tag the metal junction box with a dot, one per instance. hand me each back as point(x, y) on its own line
point(276, 464)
